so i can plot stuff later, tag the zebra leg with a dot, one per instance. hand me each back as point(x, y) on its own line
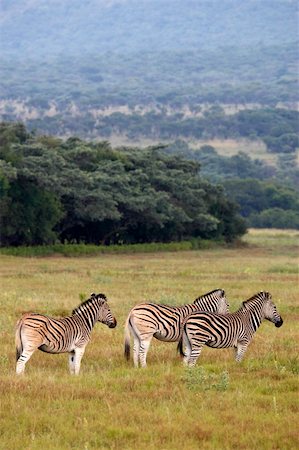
point(187, 352)
point(30, 342)
point(136, 345)
point(72, 362)
point(24, 357)
point(195, 352)
point(79, 352)
point(240, 351)
point(144, 346)
point(136, 350)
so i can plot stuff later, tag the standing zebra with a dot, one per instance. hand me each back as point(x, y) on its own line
point(69, 334)
point(164, 322)
point(232, 330)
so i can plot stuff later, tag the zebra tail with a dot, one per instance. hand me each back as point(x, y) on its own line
point(127, 340)
point(180, 347)
point(18, 340)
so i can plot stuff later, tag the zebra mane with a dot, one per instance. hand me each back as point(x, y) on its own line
point(89, 301)
point(259, 296)
point(209, 293)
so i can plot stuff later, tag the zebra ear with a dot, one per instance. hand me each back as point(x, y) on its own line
point(266, 294)
point(92, 295)
point(245, 303)
point(102, 296)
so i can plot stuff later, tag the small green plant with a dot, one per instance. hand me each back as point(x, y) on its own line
point(291, 365)
point(199, 379)
point(82, 297)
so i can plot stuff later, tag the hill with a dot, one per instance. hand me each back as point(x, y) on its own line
point(66, 59)
point(162, 70)
point(40, 27)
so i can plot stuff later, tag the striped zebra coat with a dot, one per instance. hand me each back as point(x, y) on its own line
point(69, 334)
point(164, 322)
point(232, 330)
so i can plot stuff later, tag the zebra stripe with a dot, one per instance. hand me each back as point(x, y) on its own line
point(231, 330)
point(164, 322)
point(69, 334)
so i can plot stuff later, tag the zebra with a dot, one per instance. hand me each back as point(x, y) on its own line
point(231, 330)
point(68, 334)
point(164, 322)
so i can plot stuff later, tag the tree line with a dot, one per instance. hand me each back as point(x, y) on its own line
point(267, 194)
point(277, 128)
point(54, 190)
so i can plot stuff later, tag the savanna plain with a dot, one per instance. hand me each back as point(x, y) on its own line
point(220, 404)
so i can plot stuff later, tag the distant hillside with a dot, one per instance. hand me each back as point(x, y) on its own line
point(42, 27)
point(73, 67)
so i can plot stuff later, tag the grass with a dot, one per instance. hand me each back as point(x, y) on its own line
point(91, 249)
point(218, 405)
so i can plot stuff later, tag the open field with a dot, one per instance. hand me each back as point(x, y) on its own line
point(218, 405)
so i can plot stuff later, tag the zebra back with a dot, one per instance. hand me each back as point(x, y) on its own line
point(164, 321)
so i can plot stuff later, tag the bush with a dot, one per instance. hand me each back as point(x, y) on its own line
point(275, 218)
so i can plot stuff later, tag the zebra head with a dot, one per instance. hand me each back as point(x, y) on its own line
point(105, 316)
point(270, 311)
point(223, 304)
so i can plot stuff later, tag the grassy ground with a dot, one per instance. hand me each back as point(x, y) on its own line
point(218, 405)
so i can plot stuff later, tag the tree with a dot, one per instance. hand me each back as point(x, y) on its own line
point(78, 191)
point(275, 218)
point(31, 215)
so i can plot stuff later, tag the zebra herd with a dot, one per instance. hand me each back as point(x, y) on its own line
point(206, 321)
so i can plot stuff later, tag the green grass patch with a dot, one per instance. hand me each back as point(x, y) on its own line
point(288, 268)
point(91, 250)
point(73, 250)
point(199, 379)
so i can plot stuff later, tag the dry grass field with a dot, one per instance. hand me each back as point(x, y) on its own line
point(219, 404)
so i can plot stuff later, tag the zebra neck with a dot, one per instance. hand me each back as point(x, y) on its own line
point(255, 318)
point(88, 318)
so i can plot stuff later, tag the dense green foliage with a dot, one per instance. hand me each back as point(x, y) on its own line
point(241, 165)
point(267, 194)
point(77, 191)
point(278, 128)
point(265, 204)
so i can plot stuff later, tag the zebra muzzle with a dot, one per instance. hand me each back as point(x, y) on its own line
point(113, 324)
point(279, 323)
